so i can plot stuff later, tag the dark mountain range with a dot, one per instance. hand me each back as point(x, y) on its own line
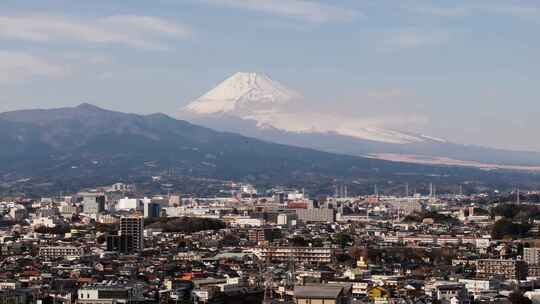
point(90, 143)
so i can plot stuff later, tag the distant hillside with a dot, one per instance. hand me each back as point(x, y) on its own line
point(87, 142)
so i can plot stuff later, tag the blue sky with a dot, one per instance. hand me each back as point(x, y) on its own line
point(463, 70)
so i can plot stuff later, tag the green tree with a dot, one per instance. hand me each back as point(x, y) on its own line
point(343, 239)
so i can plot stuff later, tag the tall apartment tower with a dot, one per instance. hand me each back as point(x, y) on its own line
point(133, 226)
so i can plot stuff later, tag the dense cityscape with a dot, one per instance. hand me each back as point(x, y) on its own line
point(110, 245)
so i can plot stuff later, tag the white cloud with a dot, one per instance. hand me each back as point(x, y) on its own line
point(387, 94)
point(299, 9)
point(517, 11)
point(16, 66)
point(86, 58)
point(470, 9)
point(133, 31)
point(147, 24)
point(412, 38)
point(444, 11)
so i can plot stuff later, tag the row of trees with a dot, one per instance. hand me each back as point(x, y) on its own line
point(185, 224)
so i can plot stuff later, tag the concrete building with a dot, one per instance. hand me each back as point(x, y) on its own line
point(316, 215)
point(133, 226)
point(49, 222)
point(120, 243)
point(263, 234)
point(405, 206)
point(298, 254)
point(323, 294)
point(109, 294)
point(152, 210)
point(68, 210)
point(286, 219)
point(508, 269)
point(531, 255)
point(54, 252)
point(451, 293)
point(175, 201)
point(14, 297)
point(93, 203)
point(127, 203)
point(17, 213)
point(477, 286)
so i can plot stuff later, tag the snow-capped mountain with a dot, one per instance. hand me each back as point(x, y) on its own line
point(255, 105)
point(243, 93)
point(259, 98)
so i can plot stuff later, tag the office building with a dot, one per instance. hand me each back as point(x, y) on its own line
point(93, 203)
point(152, 209)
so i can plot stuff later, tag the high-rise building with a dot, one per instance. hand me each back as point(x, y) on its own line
point(152, 209)
point(120, 243)
point(133, 226)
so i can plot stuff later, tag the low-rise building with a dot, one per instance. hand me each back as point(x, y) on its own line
point(54, 252)
point(508, 269)
point(109, 294)
point(323, 294)
point(298, 254)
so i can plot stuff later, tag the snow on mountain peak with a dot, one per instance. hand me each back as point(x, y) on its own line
point(243, 92)
point(257, 97)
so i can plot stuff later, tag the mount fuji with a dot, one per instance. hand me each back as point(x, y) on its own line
point(258, 106)
point(243, 93)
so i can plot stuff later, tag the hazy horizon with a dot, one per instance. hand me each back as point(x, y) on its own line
point(464, 72)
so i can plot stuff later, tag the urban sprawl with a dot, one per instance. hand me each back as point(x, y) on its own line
point(113, 245)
